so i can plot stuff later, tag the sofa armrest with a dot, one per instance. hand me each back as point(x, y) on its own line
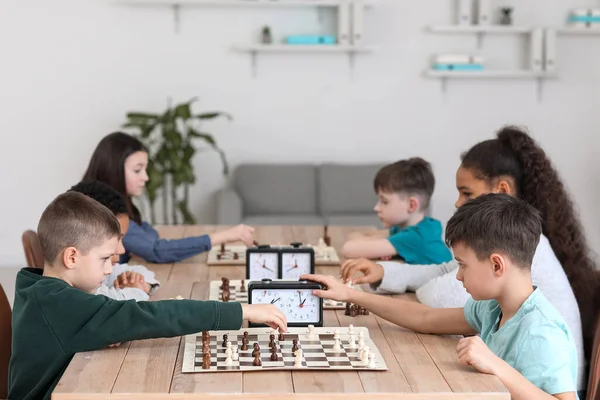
point(229, 207)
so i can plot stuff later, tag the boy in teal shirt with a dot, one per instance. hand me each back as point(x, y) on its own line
point(56, 314)
point(524, 341)
point(404, 189)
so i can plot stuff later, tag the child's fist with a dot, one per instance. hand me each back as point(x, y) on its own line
point(472, 351)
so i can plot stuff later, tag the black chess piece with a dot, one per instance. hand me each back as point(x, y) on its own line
point(294, 345)
point(256, 362)
point(242, 287)
point(206, 361)
point(281, 337)
point(353, 310)
point(244, 345)
point(347, 312)
point(256, 350)
point(271, 341)
point(273, 354)
point(225, 340)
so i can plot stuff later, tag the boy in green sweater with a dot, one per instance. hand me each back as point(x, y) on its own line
point(56, 314)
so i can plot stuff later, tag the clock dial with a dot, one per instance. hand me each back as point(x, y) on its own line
point(295, 264)
point(263, 265)
point(298, 305)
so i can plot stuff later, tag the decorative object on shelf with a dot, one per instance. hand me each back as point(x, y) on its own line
point(310, 39)
point(585, 18)
point(457, 62)
point(507, 17)
point(169, 138)
point(464, 12)
point(267, 37)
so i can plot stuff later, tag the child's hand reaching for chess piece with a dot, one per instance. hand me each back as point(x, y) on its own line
point(132, 280)
point(335, 290)
point(265, 314)
point(241, 233)
point(372, 272)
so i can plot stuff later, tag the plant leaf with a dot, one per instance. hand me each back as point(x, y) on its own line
point(188, 218)
point(183, 111)
point(213, 115)
point(142, 115)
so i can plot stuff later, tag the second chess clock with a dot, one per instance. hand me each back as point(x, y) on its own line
point(279, 262)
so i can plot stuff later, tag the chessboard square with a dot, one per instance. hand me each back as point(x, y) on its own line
point(311, 343)
point(358, 364)
point(326, 336)
point(345, 360)
point(269, 363)
point(312, 346)
point(312, 351)
point(314, 359)
point(332, 351)
point(292, 364)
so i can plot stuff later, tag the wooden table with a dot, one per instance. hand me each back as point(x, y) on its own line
point(420, 366)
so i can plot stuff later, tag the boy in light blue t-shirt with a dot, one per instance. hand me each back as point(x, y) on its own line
point(404, 189)
point(523, 339)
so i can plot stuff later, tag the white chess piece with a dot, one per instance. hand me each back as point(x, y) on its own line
point(235, 356)
point(336, 334)
point(351, 329)
point(311, 332)
point(361, 340)
point(228, 353)
point(337, 346)
point(298, 358)
point(364, 354)
point(321, 245)
point(371, 363)
point(352, 342)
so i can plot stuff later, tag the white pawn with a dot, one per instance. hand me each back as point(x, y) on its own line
point(351, 329)
point(364, 355)
point(228, 360)
point(235, 356)
point(298, 358)
point(336, 334)
point(352, 342)
point(371, 363)
point(361, 340)
point(337, 346)
point(311, 332)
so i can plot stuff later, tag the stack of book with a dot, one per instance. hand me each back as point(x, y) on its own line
point(457, 62)
point(585, 18)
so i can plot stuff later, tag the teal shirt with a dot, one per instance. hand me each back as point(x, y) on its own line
point(535, 341)
point(421, 243)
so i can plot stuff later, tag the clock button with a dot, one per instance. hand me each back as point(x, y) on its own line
point(296, 244)
point(267, 280)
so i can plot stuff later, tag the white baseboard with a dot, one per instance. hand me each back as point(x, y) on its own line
point(12, 261)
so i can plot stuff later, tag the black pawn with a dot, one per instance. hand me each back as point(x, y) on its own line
point(347, 312)
point(225, 340)
point(244, 346)
point(294, 345)
point(273, 354)
point(257, 362)
point(256, 350)
point(272, 341)
point(281, 338)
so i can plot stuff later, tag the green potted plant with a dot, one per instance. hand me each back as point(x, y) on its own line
point(171, 139)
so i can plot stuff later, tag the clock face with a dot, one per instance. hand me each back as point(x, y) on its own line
point(298, 305)
point(264, 265)
point(295, 264)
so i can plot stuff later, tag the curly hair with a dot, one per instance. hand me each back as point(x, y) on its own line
point(515, 154)
point(103, 194)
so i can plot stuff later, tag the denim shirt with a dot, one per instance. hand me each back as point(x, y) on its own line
point(143, 241)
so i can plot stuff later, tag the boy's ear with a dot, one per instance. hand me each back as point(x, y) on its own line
point(505, 185)
point(69, 257)
point(413, 204)
point(498, 264)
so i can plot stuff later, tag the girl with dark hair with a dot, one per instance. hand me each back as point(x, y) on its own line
point(512, 163)
point(120, 160)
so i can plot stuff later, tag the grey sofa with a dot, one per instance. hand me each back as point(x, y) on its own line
point(299, 194)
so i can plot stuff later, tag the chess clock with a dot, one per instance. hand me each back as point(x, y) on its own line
point(293, 298)
point(296, 261)
point(262, 262)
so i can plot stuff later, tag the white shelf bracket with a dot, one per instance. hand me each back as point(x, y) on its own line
point(177, 18)
point(540, 88)
point(254, 62)
point(351, 62)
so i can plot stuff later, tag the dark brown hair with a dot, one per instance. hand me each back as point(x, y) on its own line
point(499, 223)
point(108, 165)
point(516, 155)
point(75, 220)
point(413, 176)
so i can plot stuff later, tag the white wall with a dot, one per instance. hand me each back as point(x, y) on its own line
point(70, 69)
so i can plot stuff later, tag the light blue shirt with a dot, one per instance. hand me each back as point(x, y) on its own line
point(535, 341)
point(421, 243)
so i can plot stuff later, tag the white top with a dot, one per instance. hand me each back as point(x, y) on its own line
point(108, 289)
point(436, 286)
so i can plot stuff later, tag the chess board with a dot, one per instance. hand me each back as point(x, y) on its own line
point(236, 255)
point(318, 351)
point(242, 297)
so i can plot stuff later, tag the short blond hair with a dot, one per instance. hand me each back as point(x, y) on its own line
point(75, 220)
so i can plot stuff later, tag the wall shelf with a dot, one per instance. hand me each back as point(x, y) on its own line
point(492, 29)
point(286, 48)
point(490, 74)
point(579, 31)
point(244, 3)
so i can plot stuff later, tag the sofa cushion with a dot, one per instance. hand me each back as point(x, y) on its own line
point(282, 219)
point(354, 219)
point(277, 188)
point(347, 189)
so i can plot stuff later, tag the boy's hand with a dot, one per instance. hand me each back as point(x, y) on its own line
point(372, 271)
point(110, 346)
point(133, 280)
point(265, 314)
point(334, 289)
point(242, 233)
point(472, 351)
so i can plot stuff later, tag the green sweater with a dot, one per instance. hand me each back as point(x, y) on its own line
point(53, 320)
